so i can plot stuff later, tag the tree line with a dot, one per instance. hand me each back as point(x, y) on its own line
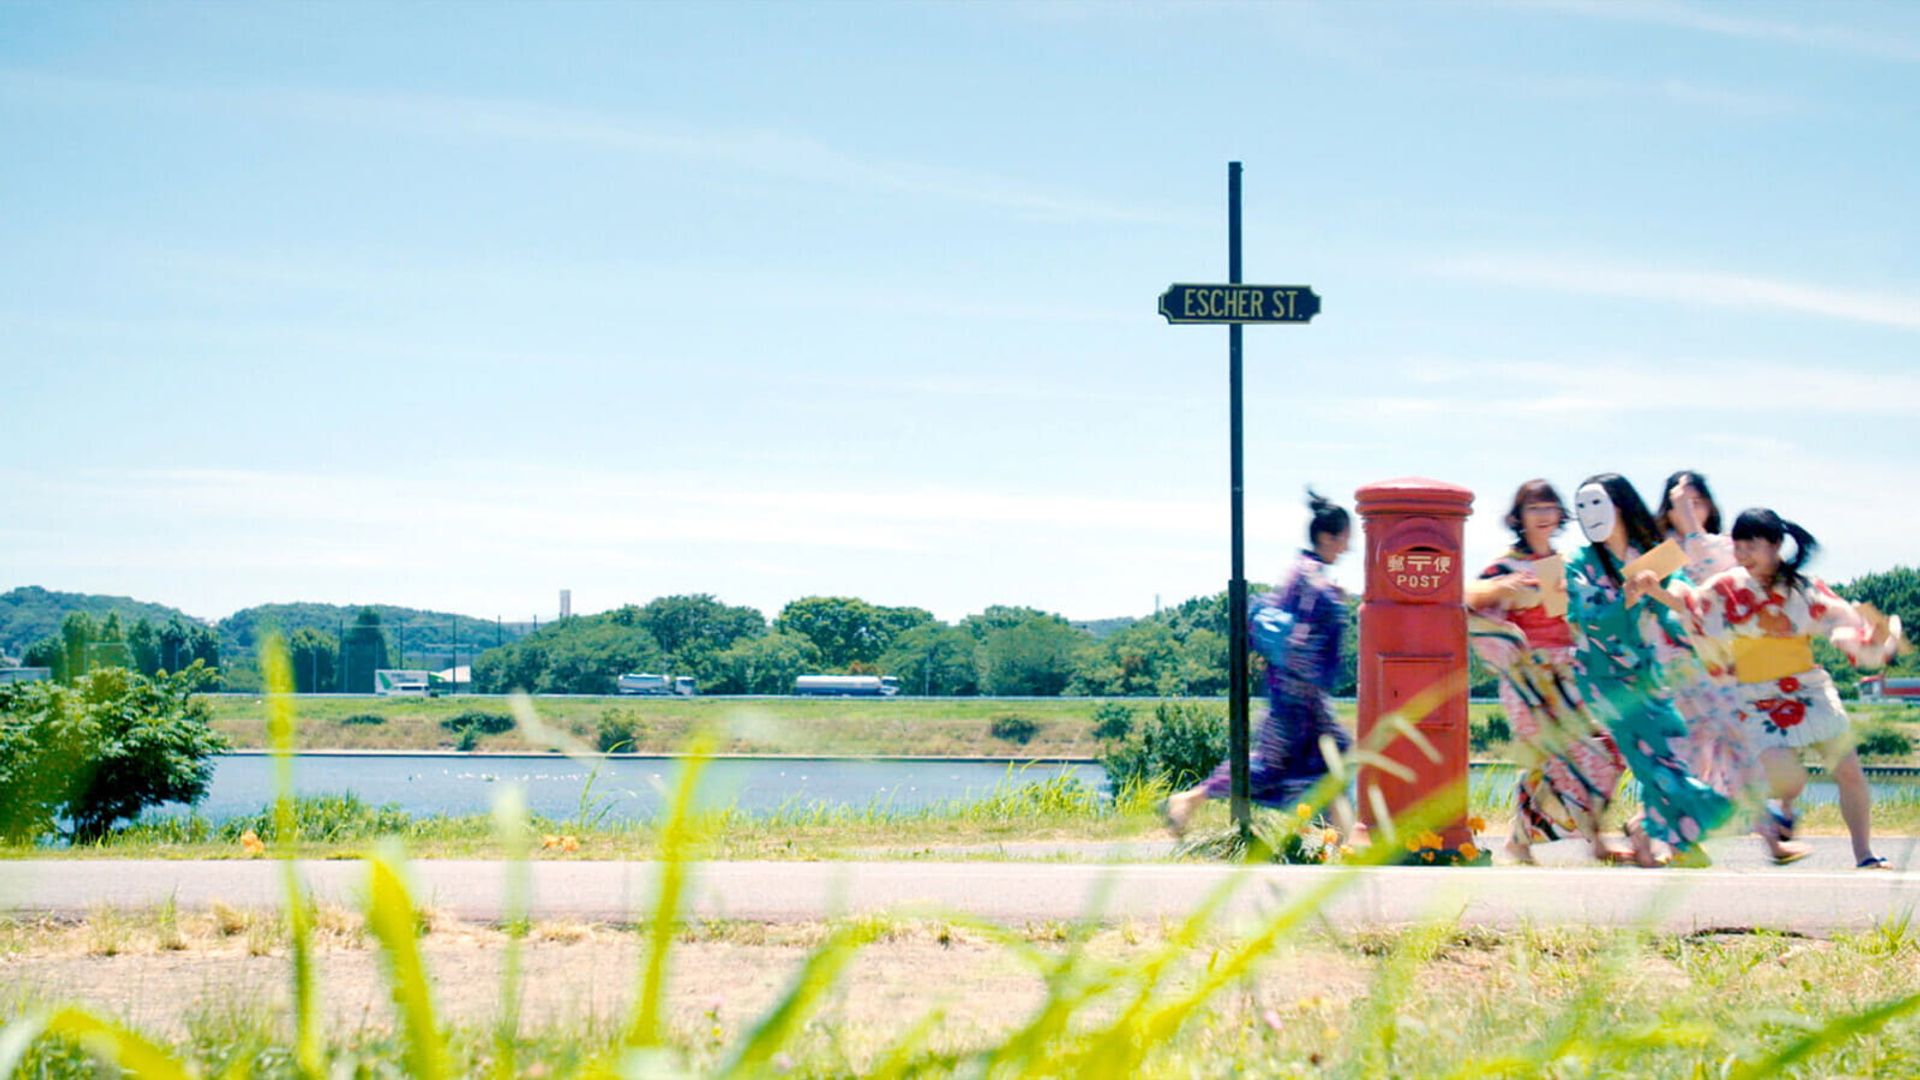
point(1180, 651)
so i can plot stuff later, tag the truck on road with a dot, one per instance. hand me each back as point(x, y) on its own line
point(650, 685)
point(846, 686)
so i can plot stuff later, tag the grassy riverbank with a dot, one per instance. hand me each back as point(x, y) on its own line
point(934, 727)
point(1056, 812)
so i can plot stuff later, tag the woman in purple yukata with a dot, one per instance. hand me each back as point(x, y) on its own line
point(1286, 758)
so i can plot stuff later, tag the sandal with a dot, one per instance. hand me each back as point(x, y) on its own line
point(1873, 862)
point(1790, 853)
point(1783, 821)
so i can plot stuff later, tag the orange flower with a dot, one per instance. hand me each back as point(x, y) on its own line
point(1468, 852)
point(1477, 824)
point(1426, 856)
point(569, 844)
point(1329, 837)
point(251, 841)
point(549, 841)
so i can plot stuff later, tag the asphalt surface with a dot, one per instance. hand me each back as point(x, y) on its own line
point(1820, 895)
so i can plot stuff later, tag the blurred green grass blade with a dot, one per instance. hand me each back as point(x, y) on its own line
point(1829, 1036)
point(676, 848)
point(816, 977)
point(130, 1052)
point(1379, 1025)
point(908, 1052)
point(516, 840)
point(394, 924)
point(277, 673)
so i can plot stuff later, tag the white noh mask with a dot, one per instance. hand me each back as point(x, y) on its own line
point(1596, 512)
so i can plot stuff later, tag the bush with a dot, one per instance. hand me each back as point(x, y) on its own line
point(1112, 720)
point(324, 819)
point(1483, 735)
point(1179, 747)
point(101, 750)
point(482, 723)
point(615, 732)
point(1884, 741)
point(1017, 729)
point(363, 718)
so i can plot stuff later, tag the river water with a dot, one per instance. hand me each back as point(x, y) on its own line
point(635, 788)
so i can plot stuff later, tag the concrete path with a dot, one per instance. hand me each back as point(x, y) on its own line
point(1814, 897)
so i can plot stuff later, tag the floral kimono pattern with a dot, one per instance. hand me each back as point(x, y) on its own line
point(1718, 748)
point(1623, 683)
point(1570, 768)
point(1285, 760)
point(1763, 637)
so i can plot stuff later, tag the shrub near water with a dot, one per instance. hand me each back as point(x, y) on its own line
point(1883, 741)
point(1178, 748)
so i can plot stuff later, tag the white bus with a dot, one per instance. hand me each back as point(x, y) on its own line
point(846, 686)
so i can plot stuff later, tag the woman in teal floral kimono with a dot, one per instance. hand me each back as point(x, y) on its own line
point(1616, 628)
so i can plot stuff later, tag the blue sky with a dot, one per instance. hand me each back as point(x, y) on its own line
point(456, 306)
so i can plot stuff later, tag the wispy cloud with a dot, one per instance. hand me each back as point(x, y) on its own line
point(1684, 93)
point(1710, 288)
point(1733, 21)
point(785, 154)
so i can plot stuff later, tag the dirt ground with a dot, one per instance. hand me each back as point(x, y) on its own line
point(209, 971)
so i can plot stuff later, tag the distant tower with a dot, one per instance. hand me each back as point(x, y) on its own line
point(566, 603)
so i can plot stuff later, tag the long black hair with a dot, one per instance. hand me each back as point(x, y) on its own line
point(1329, 517)
point(1764, 524)
point(1642, 532)
point(1698, 483)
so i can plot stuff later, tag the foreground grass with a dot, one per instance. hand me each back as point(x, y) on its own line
point(1419, 1002)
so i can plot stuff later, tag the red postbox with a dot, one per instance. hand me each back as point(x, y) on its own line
point(1413, 645)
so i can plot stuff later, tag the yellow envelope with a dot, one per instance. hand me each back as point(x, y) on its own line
point(1552, 572)
point(1662, 560)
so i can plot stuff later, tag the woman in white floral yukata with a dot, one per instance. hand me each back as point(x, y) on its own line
point(1570, 768)
point(1717, 747)
point(1764, 613)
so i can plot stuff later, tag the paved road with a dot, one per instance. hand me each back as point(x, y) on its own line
point(1815, 897)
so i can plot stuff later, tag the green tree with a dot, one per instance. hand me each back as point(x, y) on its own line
point(365, 651)
point(1143, 660)
point(999, 617)
point(846, 629)
point(50, 654)
point(934, 659)
point(689, 628)
point(1035, 658)
point(102, 750)
point(76, 635)
point(767, 664)
point(315, 658)
point(144, 645)
point(175, 655)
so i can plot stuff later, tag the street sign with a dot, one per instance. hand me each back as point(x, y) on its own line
point(1219, 304)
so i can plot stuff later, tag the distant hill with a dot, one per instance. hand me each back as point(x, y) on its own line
point(240, 632)
point(30, 613)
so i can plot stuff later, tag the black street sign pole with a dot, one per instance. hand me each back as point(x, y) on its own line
point(1235, 304)
point(1237, 749)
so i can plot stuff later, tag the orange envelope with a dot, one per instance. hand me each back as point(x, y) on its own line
point(1662, 560)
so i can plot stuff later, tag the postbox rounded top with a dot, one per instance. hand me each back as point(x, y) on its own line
point(1414, 495)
